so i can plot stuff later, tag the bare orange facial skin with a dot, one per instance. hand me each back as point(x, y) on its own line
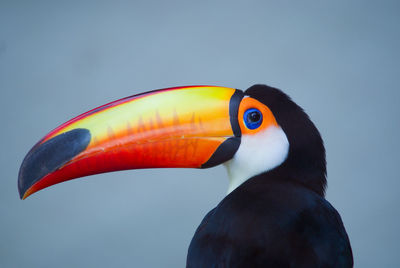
point(268, 117)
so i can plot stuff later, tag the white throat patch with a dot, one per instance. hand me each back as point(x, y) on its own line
point(257, 153)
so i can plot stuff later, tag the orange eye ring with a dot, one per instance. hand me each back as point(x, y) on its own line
point(248, 105)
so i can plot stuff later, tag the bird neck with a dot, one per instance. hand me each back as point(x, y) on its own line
point(256, 155)
point(301, 162)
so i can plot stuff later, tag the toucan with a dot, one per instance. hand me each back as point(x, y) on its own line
point(274, 214)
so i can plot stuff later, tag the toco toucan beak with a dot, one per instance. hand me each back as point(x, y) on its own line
point(191, 127)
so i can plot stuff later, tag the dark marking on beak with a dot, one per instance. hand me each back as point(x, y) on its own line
point(223, 153)
point(51, 155)
point(234, 111)
point(229, 147)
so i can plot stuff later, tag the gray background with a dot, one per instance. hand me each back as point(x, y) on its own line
point(337, 59)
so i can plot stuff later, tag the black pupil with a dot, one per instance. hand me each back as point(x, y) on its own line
point(254, 117)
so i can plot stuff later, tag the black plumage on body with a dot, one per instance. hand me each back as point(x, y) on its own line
point(279, 218)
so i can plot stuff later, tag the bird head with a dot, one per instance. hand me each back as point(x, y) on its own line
point(254, 132)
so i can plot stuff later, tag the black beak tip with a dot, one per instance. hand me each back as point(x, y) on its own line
point(49, 156)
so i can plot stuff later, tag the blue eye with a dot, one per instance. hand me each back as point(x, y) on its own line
point(252, 118)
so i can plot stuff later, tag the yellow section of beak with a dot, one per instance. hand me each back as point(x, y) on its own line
point(187, 112)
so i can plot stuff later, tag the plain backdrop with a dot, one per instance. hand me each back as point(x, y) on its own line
point(339, 60)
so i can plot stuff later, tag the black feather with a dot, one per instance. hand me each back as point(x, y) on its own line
point(266, 222)
point(279, 218)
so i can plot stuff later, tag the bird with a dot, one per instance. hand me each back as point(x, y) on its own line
point(274, 214)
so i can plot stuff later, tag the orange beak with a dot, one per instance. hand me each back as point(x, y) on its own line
point(188, 127)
